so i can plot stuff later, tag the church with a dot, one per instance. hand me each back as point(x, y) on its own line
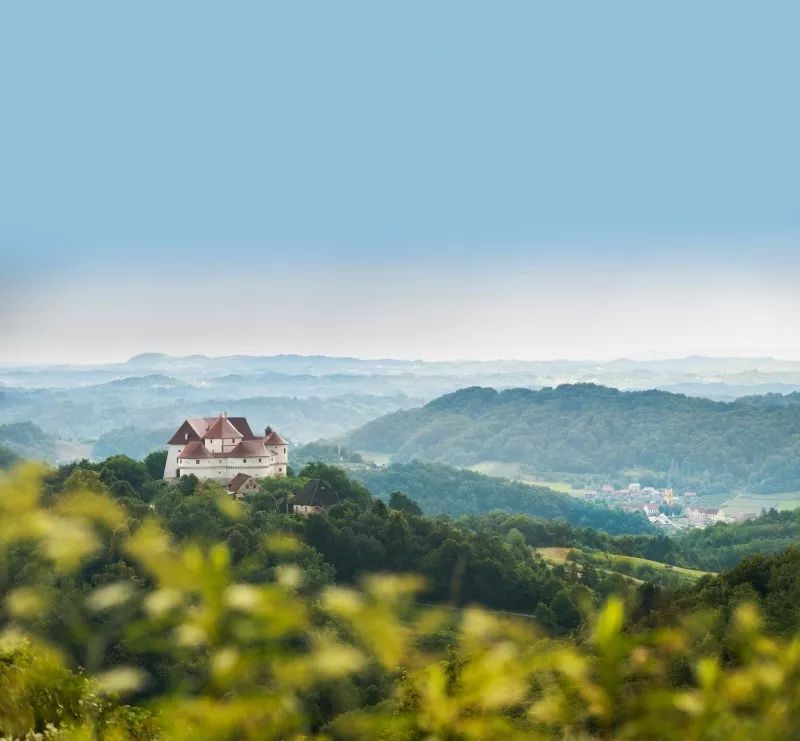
point(221, 447)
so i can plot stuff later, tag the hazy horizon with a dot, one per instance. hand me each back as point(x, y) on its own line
point(122, 360)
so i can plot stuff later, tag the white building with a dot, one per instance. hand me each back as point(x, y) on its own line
point(661, 520)
point(704, 515)
point(220, 447)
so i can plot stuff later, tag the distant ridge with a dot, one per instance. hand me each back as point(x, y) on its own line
point(151, 381)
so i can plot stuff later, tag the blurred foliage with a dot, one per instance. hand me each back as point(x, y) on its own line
point(266, 659)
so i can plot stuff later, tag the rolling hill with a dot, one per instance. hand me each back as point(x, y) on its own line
point(591, 430)
point(439, 489)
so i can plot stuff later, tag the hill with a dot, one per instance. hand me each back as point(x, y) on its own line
point(27, 440)
point(635, 568)
point(723, 546)
point(7, 457)
point(772, 582)
point(440, 489)
point(591, 430)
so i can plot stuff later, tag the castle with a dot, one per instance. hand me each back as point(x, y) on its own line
point(221, 447)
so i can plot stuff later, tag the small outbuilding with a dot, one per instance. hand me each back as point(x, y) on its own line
point(242, 486)
point(315, 496)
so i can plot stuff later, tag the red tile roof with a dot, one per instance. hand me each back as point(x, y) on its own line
point(315, 493)
point(185, 432)
point(238, 481)
point(705, 510)
point(273, 438)
point(195, 449)
point(248, 448)
point(198, 429)
point(221, 428)
point(240, 423)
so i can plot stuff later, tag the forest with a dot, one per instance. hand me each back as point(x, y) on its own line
point(603, 434)
point(135, 607)
point(440, 489)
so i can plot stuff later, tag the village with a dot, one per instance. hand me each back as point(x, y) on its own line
point(663, 507)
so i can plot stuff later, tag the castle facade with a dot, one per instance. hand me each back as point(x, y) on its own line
point(221, 447)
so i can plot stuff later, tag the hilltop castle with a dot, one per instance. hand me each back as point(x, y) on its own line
point(221, 447)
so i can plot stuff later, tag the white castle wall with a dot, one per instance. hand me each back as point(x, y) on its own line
point(170, 469)
point(224, 469)
point(274, 464)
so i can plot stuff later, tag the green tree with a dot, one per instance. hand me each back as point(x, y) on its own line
point(399, 501)
point(155, 463)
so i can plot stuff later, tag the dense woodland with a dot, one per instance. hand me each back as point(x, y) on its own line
point(137, 608)
point(604, 434)
point(440, 489)
point(141, 608)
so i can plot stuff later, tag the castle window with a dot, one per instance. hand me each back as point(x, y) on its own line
point(244, 460)
point(197, 461)
point(259, 460)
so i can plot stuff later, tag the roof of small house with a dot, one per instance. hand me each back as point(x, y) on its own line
point(316, 493)
point(238, 481)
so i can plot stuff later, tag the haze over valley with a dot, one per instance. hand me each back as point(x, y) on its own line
point(94, 411)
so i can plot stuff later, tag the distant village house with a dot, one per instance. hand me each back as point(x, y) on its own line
point(701, 516)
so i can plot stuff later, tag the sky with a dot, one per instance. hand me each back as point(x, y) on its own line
point(412, 180)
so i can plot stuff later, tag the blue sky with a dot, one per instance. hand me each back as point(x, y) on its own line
point(407, 179)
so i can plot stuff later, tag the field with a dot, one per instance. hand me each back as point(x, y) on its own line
point(554, 554)
point(741, 502)
point(708, 500)
point(692, 573)
point(559, 555)
point(501, 469)
point(756, 502)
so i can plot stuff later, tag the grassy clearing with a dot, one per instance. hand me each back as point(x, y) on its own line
point(756, 502)
point(708, 500)
point(501, 469)
point(559, 555)
point(693, 573)
point(554, 554)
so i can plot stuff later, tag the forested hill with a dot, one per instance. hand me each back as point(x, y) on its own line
point(443, 490)
point(588, 429)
